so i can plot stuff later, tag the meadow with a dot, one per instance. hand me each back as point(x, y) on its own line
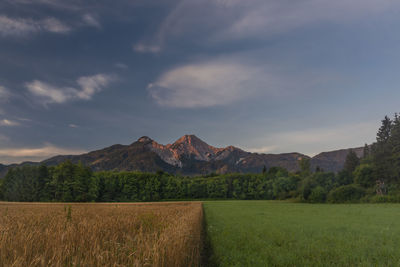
point(272, 233)
point(148, 234)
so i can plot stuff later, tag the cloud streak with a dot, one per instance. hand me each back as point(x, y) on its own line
point(89, 86)
point(145, 48)
point(22, 27)
point(9, 123)
point(4, 93)
point(229, 20)
point(18, 155)
point(91, 20)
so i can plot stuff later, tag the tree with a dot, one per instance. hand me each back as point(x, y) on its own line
point(383, 134)
point(319, 169)
point(264, 170)
point(382, 152)
point(346, 193)
point(318, 195)
point(351, 162)
point(366, 151)
point(42, 184)
point(364, 175)
point(394, 144)
point(305, 166)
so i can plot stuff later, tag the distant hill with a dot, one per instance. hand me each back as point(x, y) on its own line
point(190, 155)
point(334, 160)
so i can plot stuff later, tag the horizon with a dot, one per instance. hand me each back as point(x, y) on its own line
point(264, 76)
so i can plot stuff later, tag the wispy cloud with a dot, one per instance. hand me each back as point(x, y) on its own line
point(91, 20)
point(146, 48)
point(263, 149)
point(9, 123)
point(89, 86)
point(22, 26)
point(17, 155)
point(4, 93)
point(228, 20)
point(120, 65)
point(73, 125)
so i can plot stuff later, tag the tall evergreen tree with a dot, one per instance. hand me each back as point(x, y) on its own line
point(395, 147)
point(383, 134)
point(382, 154)
point(366, 151)
point(351, 162)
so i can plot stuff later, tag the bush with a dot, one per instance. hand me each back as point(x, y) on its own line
point(318, 195)
point(385, 199)
point(363, 175)
point(346, 193)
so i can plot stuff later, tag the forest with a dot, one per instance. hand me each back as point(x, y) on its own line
point(373, 178)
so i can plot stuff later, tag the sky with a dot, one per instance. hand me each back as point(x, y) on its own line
point(268, 76)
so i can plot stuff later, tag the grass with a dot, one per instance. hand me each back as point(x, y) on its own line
point(268, 233)
point(156, 234)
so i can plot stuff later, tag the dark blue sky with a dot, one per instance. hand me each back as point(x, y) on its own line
point(267, 76)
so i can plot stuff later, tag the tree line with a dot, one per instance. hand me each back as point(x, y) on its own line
point(375, 177)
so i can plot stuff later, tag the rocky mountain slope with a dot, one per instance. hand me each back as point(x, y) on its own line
point(189, 155)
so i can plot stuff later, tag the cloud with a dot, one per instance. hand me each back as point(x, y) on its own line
point(145, 48)
point(271, 17)
point(9, 123)
point(228, 20)
point(22, 27)
point(121, 65)
point(17, 155)
point(73, 125)
point(4, 93)
point(4, 138)
point(91, 20)
point(93, 84)
point(89, 86)
point(264, 149)
point(228, 80)
point(205, 84)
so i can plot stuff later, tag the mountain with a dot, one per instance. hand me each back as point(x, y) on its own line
point(136, 156)
point(334, 160)
point(189, 155)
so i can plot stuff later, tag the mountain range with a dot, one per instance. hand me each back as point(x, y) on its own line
point(189, 155)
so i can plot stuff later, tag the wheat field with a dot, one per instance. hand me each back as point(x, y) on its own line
point(122, 234)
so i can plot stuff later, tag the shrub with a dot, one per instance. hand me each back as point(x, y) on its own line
point(346, 193)
point(363, 175)
point(318, 195)
point(385, 199)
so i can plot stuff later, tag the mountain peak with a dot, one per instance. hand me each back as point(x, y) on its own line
point(190, 144)
point(189, 139)
point(144, 139)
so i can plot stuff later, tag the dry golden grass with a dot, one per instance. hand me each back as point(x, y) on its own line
point(155, 234)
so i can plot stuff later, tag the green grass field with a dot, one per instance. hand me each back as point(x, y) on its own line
point(268, 233)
